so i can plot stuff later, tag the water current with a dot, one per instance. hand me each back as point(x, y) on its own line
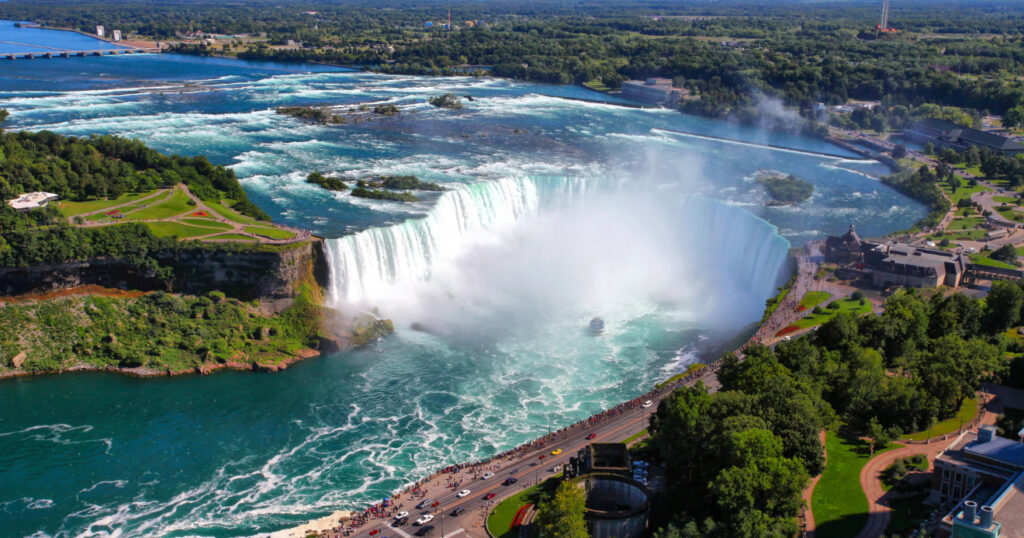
point(557, 210)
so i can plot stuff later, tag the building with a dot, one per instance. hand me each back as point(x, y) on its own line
point(979, 480)
point(949, 135)
point(658, 91)
point(99, 31)
point(916, 267)
point(117, 35)
point(847, 248)
point(896, 264)
point(32, 200)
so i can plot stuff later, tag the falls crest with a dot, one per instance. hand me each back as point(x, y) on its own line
point(727, 245)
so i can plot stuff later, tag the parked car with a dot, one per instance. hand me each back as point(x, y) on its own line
point(486, 475)
point(647, 404)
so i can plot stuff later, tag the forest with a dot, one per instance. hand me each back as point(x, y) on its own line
point(740, 458)
point(91, 168)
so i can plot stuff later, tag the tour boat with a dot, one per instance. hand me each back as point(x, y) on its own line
point(597, 326)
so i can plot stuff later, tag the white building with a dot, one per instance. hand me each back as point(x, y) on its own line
point(32, 200)
point(99, 31)
point(117, 35)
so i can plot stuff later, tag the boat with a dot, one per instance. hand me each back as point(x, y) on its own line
point(596, 326)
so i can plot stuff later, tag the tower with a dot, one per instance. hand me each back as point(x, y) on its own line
point(885, 16)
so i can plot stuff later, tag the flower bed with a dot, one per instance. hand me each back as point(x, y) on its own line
point(788, 330)
point(520, 515)
point(199, 214)
point(112, 213)
point(801, 308)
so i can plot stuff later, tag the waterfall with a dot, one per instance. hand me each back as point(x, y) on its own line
point(728, 246)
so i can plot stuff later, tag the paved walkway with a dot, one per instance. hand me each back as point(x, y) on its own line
point(870, 474)
point(235, 227)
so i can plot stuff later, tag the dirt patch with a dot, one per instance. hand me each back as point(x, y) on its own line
point(88, 289)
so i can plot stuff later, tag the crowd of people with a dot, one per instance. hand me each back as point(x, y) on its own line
point(788, 310)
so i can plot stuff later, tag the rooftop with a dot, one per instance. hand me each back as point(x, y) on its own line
point(32, 200)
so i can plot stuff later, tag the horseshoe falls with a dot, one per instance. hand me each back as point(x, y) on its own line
point(555, 211)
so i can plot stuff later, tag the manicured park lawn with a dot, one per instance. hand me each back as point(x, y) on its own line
point(849, 305)
point(839, 505)
point(814, 298)
point(962, 223)
point(1010, 214)
point(1006, 200)
point(175, 205)
point(984, 260)
point(501, 517)
point(965, 190)
point(968, 409)
point(206, 223)
point(597, 85)
point(160, 197)
point(70, 209)
point(272, 233)
point(233, 237)
point(223, 210)
point(168, 229)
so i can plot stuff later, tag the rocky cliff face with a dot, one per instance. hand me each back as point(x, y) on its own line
point(272, 277)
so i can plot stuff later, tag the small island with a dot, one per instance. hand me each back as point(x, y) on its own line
point(784, 189)
point(377, 194)
point(448, 100)
point(329, 183)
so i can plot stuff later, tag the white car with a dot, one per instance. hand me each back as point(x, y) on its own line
point(400, 515)
point(462, 493)
point(647, 404)
point(486, 475)
point(424, 519)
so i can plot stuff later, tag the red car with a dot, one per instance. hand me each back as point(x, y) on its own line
point(489, 496)
point(542, 456)
point(591, 436)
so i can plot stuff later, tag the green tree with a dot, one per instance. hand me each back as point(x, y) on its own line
point(3, 114)
point(562, 516)
point(1006, 253)
point(1002, 306)
point(1014, 117)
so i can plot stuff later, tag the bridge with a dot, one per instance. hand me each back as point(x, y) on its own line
point(67, 53)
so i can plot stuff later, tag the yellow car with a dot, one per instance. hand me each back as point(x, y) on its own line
point(556, 451)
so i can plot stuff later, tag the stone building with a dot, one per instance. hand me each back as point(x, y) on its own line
point(658, 91)
point(949, 135)
point(905, 265)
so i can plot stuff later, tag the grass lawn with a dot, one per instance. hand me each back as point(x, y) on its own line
point(168, 229)
point(70, 209)
point(501, 517)
point(635, 436)
point(206, 223)
point(132, 207)
point(272, 233)
point(968, 409)
point(233, 237)
point(965, 190)
point(838, 502)
point(848, 305)
point(911, 467)
point(1010, 214)
point(965, 223)
point(984, 260)
point(814, 298)
point(223, 210)
point(1006, 200)
point(175, 205)
point(597, 85)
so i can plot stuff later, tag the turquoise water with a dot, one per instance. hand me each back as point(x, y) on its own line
point(18, 40)
point(557, 211)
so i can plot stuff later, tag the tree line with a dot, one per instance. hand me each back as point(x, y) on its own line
point(737, 460)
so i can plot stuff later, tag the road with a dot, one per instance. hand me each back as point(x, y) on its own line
point(527, 468)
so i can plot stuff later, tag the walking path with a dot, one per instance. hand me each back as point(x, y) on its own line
point(870, 474)
point(236, 228)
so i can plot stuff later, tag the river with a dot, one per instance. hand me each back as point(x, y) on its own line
point(557, 210)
